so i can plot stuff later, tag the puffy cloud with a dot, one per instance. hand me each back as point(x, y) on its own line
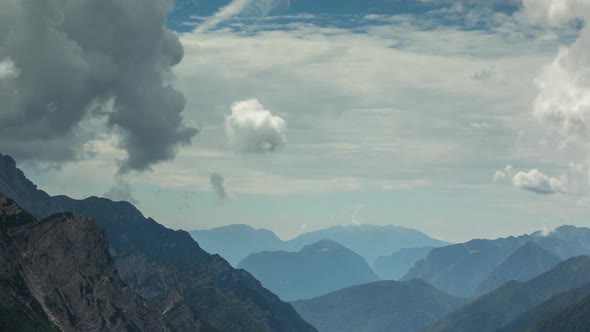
point(79, 60)
point(539, 183)
point(503, 174)
point(240, 7)
point(217, 183)
point(252, 128)
point(563, 101)
point(8, 69)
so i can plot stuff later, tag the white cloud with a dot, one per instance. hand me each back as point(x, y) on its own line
point(539, 183)
point(252, 128)
point(501, 175)
point(562, 105)
point(8, 69)
point(237, 7)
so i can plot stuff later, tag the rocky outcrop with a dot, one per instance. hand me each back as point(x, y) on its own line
point(57, 274)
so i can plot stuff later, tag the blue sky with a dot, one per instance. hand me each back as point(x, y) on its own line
point(381, 112)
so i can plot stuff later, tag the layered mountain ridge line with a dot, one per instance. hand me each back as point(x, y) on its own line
point(164, 266)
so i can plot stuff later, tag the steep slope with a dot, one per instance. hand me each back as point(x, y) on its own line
point(525, 263)
point(235, 242)
point(165, 266)
point(316, 269)
point(396, 265)
point(57, 274)
point(378, 306)
point(503, 305)
point(571, 319)
point(548, 308)
point(369, 241)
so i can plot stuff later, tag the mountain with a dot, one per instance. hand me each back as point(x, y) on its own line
point(369, 241)
point(525, 263)
point(461, 268)
point(57, 275)
point(458, 269)
point(396, 265)
point(500, 307)
point(316, 269)
point(164, 266)
point(548, 309)
point(235, 242)
point(378, 306)
point(571, 319)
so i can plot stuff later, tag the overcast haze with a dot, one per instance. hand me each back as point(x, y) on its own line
point(461, 119)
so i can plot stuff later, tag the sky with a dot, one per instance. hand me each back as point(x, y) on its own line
point(462, 119)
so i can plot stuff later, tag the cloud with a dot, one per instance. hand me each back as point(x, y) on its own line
point(8, 69)
point(562, 105)
point(256, 8)
point(252, 128)
point(503, 174)
point(79, 60)
point(217, 183)
point(121, 191)
point(355, 215)
point(539, 183)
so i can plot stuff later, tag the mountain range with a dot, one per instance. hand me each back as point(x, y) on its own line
point(316, 269)
point(464, 269)
point(234, 242)
point(163, 266)
point(500, 307)
point(379, 306)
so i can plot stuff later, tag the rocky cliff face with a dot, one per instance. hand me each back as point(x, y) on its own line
point(57, 274)
point(165, 266)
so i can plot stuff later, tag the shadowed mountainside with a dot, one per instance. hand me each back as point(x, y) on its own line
point(165, 266)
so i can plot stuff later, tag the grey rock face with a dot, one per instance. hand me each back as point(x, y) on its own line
point(59, 272)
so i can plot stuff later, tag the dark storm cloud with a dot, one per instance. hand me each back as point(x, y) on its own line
point(217, 183)
point(72, 61)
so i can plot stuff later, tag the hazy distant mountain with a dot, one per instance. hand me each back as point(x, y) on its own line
point(549, 308)
point(166, 267)
point(505, 304)
point(459, 269)
point(369, 241)
point(378, 306)
point(57, 275)
point(525, 263)
point(235, 242)
point(316, 269)
point(396, 265)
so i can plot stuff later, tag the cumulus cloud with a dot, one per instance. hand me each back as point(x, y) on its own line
point(256, 8)
point(75, 60)
point(217, 183)
point(121, 191)
point(563, 101)
point(252, 128)
point(539, 183)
